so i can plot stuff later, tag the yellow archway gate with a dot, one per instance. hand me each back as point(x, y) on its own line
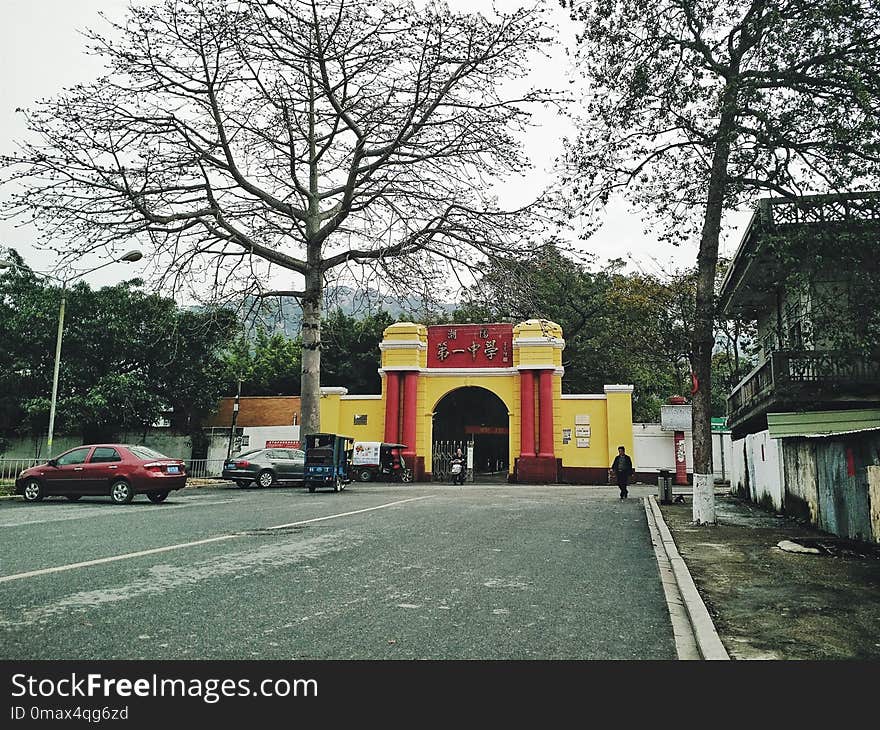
point(552, 437)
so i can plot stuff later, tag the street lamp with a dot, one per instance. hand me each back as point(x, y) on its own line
point(127, 257)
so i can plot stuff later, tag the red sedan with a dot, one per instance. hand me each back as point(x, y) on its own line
point(118, 470)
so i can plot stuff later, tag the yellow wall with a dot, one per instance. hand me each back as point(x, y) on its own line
point(620, 432)
point(373, 408)
point(596, 455)
point(330, 415)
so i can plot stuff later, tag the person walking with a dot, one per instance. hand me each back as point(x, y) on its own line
point(458, 469)
point(622, 468)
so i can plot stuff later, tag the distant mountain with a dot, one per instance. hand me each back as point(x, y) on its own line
point(285, 315)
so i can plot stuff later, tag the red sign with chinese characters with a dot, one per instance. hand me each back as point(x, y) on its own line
point(282, 444)
point(470, 346)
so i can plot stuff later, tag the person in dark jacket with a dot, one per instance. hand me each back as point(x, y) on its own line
point(622, 468)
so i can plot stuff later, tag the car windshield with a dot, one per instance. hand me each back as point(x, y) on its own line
point(246, 454)
point(142, 452)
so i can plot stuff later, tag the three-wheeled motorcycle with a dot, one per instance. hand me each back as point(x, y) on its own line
point(328, 461)
point(380, 461)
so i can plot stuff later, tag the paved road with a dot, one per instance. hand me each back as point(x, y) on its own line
point(377, 572)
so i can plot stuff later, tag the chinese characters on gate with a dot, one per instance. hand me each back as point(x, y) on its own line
point(470, 345)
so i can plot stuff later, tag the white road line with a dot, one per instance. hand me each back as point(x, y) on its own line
point(83, 511)
point(346, 514)
point(180, 546)
point(114, 558)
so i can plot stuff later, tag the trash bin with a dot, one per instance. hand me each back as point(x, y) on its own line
point(664, 486)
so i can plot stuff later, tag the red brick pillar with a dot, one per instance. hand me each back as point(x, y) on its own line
point(410, 396)
point(545, 404)
point(392, 407)
point(527, 412)
point(681, 474)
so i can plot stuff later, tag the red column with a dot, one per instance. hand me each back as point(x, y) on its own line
point(681, 475)
point(545, 404)
point(527, 412)
point(392, 407)
point(410, 395)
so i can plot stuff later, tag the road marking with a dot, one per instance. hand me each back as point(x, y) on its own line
point(84, 511)
point(180, 546)
point(111, 559)
point(346, 514)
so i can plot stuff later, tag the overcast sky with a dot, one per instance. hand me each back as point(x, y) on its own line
point(41, 51)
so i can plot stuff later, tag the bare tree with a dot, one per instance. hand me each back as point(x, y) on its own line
point(696, 105)
point(312, 136)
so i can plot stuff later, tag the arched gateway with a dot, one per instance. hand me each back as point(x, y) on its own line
point(477, 421)
point(497, 386)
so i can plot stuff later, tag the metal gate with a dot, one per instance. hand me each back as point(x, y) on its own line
point(441, 458)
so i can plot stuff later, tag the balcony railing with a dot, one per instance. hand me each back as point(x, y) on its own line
point(788, 374)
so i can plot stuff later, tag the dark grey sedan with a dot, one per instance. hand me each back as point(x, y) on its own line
point(265, 467)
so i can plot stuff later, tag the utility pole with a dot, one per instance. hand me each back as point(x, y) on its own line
point(234, 419)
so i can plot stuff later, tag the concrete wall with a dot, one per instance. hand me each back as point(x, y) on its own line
point(757, 472)
point(653, 449)
point(832, 482)
point(162, 440)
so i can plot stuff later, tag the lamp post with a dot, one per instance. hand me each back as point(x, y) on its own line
point(127, 257)
point(235, 407)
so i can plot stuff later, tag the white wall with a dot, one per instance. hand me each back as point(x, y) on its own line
point(738, 467)
point(757, 461)
point(257, 436)
point(653, 450)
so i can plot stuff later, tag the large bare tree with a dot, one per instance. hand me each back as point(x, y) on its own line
point(312, 136)
point(697, 106)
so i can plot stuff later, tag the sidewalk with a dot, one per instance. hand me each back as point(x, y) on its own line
point(767, 603)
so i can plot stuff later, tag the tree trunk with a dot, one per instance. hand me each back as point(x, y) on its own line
point(704, 317)
point(312, 301)
point(310, 381)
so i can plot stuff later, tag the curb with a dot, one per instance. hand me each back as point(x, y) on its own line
point(708, 643)
point(682, 631)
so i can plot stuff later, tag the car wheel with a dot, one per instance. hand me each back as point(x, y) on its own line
point(265, 478)
point(157, 497)
point(311, 488)
point(406, 475)
point(73, 497)
point(33, 491)
point(121, 492)
point(365, 475)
